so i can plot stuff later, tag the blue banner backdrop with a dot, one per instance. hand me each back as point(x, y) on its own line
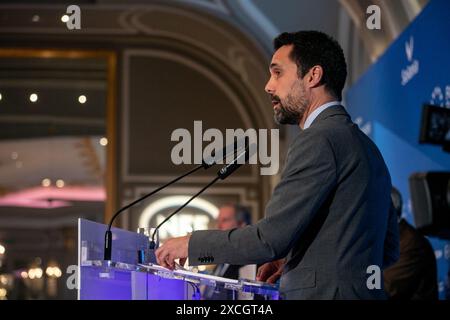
point(386, 102)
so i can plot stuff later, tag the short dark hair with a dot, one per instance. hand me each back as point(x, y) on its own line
point(311, 48)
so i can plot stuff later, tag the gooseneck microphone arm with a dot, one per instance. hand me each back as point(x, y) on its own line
point(108, 234)
point(226, 171)
point(151, 193)
point(152, 243)
point(205, 164)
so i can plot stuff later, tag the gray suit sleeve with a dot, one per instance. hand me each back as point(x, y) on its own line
point(309, 175)
point(392, 240)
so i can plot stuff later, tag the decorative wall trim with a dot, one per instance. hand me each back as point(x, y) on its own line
point(240, 109)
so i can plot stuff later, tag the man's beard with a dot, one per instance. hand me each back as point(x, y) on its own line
point(293, 108)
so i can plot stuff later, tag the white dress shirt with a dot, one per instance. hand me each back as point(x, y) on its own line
point(316, 112)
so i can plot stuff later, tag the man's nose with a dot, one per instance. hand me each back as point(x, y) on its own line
point(269, 88)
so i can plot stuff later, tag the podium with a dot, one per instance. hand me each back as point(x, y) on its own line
point(125, 278)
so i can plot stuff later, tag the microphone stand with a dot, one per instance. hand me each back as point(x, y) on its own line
point(152, 242)
point(108, 234)
point(226, 170)
point(221, 174)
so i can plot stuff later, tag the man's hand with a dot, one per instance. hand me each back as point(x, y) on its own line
point(270, 272)
point(175, 248)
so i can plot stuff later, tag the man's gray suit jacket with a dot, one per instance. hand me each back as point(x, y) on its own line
point(330, 216)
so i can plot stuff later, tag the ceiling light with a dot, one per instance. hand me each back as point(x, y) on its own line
point(33, 97)
point(103, 141)
point(46, 182)
point(60, 183)
point(82, 99)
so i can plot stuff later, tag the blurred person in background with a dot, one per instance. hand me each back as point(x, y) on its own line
point(414, 275)
point(231, 216)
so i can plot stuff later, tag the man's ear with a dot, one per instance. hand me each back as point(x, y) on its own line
point(315, 75)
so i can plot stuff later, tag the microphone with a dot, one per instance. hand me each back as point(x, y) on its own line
point(225, 152)
point(206, 164)
point(234, 165)
point(222, 174)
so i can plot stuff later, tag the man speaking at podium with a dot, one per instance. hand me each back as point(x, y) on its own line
point(329, 219)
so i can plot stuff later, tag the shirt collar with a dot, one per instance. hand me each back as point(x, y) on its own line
point(316, 112)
